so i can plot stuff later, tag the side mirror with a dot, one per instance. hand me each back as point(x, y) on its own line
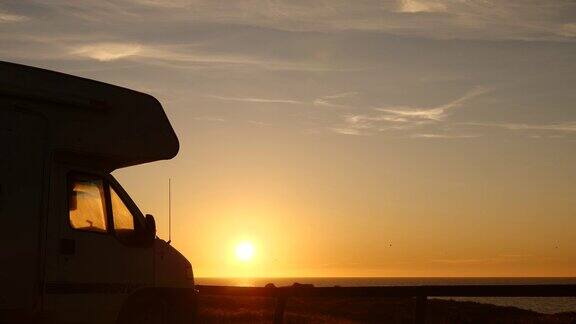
point(150, 228)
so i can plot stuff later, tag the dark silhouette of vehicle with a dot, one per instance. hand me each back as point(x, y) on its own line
point(75, 248)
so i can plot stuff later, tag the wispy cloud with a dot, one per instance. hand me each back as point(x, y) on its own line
point(360, 119)
point(365, 125)
point(184, 56)
point(512, 19)
point(348, 131)
point(415, 6)
point(341, 95)
point(6, 17)
point(331, 100)
point(567, 127)
point(405, 118)
point(210, 119)
point(326, 101)
point(568, 30)
point(105, 52)
point(109, 51)
point(437, 113)
point(430, 135)
point(436, 19)
point(258, 100)
point(259, 123)
point(166, 4)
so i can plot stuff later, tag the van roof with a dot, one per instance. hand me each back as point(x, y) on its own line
point(110, 125)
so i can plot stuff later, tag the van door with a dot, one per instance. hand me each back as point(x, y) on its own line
point(22, 164)
point(101, 259)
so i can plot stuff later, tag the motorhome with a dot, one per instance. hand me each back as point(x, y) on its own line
point(75, 248)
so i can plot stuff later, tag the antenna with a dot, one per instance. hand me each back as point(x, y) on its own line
point(169, 210)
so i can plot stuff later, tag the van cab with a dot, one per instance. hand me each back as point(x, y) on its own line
point(75, 247)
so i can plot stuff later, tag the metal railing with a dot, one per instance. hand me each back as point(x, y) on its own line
point(421, 293)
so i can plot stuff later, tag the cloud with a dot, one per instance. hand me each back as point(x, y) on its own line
point(568, 30)
point(404, 118)
point(258, 100)
point(415, 6)
point(329, 100)
point(110, 51)
point(461, 19)
point(436, 19)
point(341, 95)
point(255, 38)
point(359, 119)
point(11, 18)
point(437, 113)
point(567, 127)
point(168, 4)
point(210, 119)
point(105, 52)
point(439, 136)
point(258, 123)
point(348, 131)
point(184, 56)
point(365, 125)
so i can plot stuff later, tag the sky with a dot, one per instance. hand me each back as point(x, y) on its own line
point(341, 138)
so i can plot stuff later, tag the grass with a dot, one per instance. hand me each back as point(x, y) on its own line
point(214, 309)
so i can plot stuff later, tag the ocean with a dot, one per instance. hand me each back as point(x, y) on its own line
point(547, 305)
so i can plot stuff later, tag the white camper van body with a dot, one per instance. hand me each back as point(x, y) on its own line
point(75, 248)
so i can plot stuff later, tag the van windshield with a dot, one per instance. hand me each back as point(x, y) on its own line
point(123, 218)
point(87, 209)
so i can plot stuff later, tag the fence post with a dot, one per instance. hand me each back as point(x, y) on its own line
point(420, 310)
point(279, 310)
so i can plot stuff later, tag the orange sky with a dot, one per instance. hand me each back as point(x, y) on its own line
point(342, 138)
point(402, 209)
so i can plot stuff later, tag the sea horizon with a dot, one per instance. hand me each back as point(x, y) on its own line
point(375, 281)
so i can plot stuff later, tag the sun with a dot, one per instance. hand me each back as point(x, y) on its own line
point(245, 251)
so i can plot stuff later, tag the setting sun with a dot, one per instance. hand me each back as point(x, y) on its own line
point(245, 251)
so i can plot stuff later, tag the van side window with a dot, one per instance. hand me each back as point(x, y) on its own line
point(87, 205)
point(123, 218)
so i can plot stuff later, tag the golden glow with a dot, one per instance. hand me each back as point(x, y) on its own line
point(245, 251)
point(420, 165)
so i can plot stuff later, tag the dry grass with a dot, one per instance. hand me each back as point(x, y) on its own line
point(365, 310)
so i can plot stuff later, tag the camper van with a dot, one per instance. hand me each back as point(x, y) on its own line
point(75, 248)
